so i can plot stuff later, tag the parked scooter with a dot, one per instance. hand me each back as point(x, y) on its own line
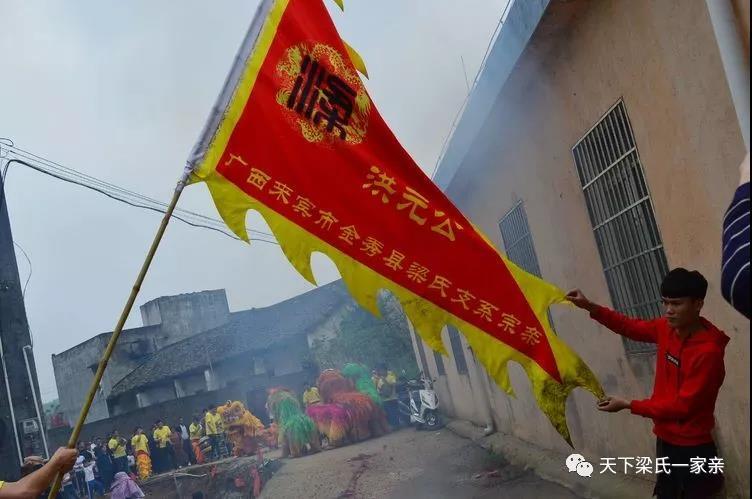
point(418, 403)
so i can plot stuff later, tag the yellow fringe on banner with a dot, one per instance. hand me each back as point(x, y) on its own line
point(364, 285)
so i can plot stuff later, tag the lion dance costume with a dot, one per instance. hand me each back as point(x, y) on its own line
point(358, 374)
point(367, 418)
point(296, 429)
point(241, 427)
point(332, 420)
point(143, 465)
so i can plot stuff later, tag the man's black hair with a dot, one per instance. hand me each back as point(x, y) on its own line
point(683, 283)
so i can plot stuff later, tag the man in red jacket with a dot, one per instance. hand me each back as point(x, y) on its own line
point(689, 372)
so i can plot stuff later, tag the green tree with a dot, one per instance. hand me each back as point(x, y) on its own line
point(368, 340)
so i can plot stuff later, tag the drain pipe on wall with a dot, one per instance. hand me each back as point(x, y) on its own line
point(734, 57)
point(485, 402)
point(10, 403)
point(37, 402)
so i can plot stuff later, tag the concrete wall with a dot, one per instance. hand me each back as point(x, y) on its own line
point(167, 319)
point(193, 384)
point(288, 361)
point(73, 376)
point(74, 369)
point(741, 9)
point(662, 59)
point(182, 316)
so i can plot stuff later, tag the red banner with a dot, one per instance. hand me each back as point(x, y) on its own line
point(311, 146)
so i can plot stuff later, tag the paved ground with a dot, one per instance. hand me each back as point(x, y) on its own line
point(408, 464)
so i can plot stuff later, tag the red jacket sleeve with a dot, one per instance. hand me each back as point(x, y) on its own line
point(700, 387)
point(634, 329)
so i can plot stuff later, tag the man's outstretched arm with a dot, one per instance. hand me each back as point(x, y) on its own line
point(634, 329)
point(34, 484)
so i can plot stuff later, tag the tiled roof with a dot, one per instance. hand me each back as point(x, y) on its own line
point(250, 330)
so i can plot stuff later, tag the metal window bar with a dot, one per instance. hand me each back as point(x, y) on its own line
point(422, 355)
point(440, 369)
point(457, 351)
point(518, 242)
point(622, 216)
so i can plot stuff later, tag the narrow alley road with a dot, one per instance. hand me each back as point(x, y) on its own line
point(408, 464)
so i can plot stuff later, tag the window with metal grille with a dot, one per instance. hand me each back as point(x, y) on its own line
point(622, 217)
point(439, 363)
point(518, 242)
point(457, 351)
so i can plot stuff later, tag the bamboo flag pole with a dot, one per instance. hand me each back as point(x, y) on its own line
point(207, 134)
point(121, 322)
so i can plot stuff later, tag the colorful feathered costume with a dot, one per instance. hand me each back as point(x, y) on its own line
point(296, 430)
point(143, 465)
point(333, 421)
point(241, 427)
point(358, 374)
point(368, 419)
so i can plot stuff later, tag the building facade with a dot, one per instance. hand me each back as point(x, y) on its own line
point(598, 149)
point(166, 320)
point(182, 361)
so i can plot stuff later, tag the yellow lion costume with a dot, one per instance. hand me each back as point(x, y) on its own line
point(241, 427)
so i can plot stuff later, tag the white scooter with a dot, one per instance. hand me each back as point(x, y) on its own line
point(419, 403)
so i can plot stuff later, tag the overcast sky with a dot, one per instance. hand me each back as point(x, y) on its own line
point(120, 90)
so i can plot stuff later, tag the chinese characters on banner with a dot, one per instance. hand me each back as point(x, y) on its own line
point(391, 258)
point(302, 143)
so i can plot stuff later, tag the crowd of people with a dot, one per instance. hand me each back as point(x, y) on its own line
point(160, 450)
point(117, 462)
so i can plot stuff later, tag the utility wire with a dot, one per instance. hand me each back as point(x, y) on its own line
point(117, 193)
point(69, 172)
point(31, 269)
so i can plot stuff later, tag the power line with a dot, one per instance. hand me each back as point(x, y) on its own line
point(115, 192)
point(122, 192)
point(31, 269)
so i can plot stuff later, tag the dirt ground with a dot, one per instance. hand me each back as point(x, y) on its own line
point(408, 464)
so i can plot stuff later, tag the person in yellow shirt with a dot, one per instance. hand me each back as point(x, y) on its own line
point(117, 445)
point(211, 420)
point(196, 431)
point(311, 395)
point(140, 444)
point(161, 452)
